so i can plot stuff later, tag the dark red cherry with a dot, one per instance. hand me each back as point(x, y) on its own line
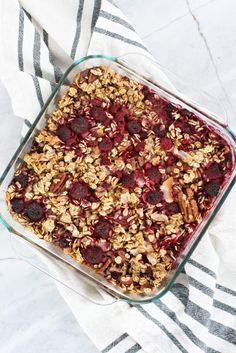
point(17, 205)
point(93, 254)
point(212, 188)
point(172, 207)
point(105, 145)
point(102, 228)
point(79, 191)
point(153, 174)
point(153, 197)
point(159, 130)
point(64, 133)
point(99, 114)
point(166, 143)
point(80, 125)
point(22, 179)
point(128, 180)
point(213, 172)
point(133, 126)
point(34, 211)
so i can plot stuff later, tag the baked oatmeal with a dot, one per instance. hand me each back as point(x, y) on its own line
point(119, 178)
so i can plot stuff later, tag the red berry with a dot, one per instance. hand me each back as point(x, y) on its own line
point(116, 274)
point(96, 102)
point(153, 174)
point(143, 135)
point(99, 114)
point(64, 239)
point(115, 107)
point(93, 254)
point(118, 138)
point(79, 191)
point(212, 188)
point(133, 126)
point(149, 272)
point(184, 127)
point(159, 130)
point(17, 205)
point(153, 197)
point(104, 160)
point(34, 211)
point(213, 172)
point(22, 179)
point(128, 181)
point(171, 160)
point(172, 207)
point(102, 228)
point(105, 145)
point(64, 133)
point(140, 146)
point(166, 143)
point(80, 125)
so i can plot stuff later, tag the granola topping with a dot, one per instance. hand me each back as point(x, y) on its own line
point(119, 178)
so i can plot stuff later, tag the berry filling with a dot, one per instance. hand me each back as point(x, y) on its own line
point(153, 174)
point(128, 181)
point(34, 211)
point(102, 229)
point(213, 172)
point(80, 125)
point(99, 114)
point(63, 238)
point(93, 254)
point(133, 126)
point(212, 188)
point(22, 179)
point(64, 133)
point(172, 208)
point(166, 143)
point(153, 197)
point(105, 145)
point(17, 205)
point(159, 130)
point(79, 191)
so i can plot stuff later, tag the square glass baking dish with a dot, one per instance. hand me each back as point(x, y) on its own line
point(145, 71)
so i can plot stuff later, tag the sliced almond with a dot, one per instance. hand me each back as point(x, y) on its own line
point(166, 188)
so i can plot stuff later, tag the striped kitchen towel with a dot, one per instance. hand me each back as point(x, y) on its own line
point(39, 40)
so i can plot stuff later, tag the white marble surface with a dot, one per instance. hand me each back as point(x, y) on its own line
point(194, 38)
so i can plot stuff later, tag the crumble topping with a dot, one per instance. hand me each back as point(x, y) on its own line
point(119, 179)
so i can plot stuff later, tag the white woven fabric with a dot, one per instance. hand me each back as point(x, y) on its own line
point(39, 40)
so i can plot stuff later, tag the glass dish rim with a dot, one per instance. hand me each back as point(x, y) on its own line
point(208, 222)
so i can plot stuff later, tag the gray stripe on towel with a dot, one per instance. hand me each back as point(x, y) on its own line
point(78, 29)
point(135, 348)
point(57, 71)
point(201, 267)
point(36, 54)
point(163, 328)
point(115, 343)
point(38, 90)
point(226, 290)
point(116, 19)
point(20, 39)
point(185, 328)
point(96, 13)
point(119, 37)
point(202, 316)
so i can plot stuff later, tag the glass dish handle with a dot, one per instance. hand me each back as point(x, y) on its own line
point(162, 77)
point(58, 272)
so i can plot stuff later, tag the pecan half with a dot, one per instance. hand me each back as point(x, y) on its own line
point(188, 205)
point(58, 183)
